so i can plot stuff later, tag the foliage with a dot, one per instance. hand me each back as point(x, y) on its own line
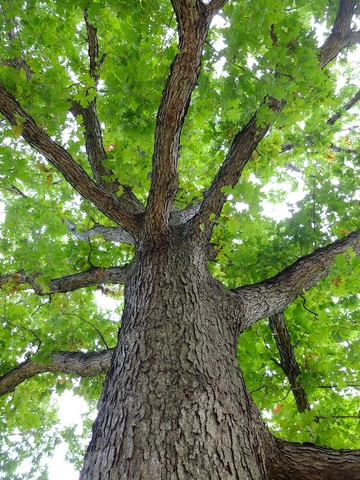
point(254, 49)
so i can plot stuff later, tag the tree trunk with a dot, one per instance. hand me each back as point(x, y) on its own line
point(174, 404)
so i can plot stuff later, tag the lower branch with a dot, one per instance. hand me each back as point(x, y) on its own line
point(273, 295)
point(288, 362)
point(93, 276)
point(295, 461)
point(76, 363)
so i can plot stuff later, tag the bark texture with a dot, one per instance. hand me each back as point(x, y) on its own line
point(177, 350)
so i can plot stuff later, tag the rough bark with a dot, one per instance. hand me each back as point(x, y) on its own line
point(177, 351)
point(174, 405)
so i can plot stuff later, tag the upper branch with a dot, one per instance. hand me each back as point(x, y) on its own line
point(341, 35)
point(230, 171)
point(62, 160)
point(91, 277)
point(193, 19)
point(248, 138)
point(92, 130)
point(273, 295)
point(95, 150)
point(76, 363)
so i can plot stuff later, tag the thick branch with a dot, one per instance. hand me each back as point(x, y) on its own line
point(215, 5)
point(295, 461)
point(272, 296)
point(288, 362)
point(193, 24)
point(75, 363)
point(62, 160)
point(93, 276)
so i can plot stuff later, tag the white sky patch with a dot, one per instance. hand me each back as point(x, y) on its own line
point(280, 211)
point(71, 407)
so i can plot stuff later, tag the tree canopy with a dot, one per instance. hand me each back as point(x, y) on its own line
point(85, 87)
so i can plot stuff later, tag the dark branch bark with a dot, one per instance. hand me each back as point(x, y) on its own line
point(272, 296)
point(288, 362)
point(62, 160)
point(193, 23)
point(341, 35)
point(215, 5)
point(295, 461)
point(249, 137)
point(93, 276)
point(75, 363)
point(287, 147)
point(94, 146)
point(92, 130)
point(346, 107)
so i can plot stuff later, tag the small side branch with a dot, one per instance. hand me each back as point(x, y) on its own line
point(288, 362)
point(75, 363)
point(287, 147)
point(346, 107)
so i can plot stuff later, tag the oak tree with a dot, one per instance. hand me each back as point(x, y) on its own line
point(142, 146)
